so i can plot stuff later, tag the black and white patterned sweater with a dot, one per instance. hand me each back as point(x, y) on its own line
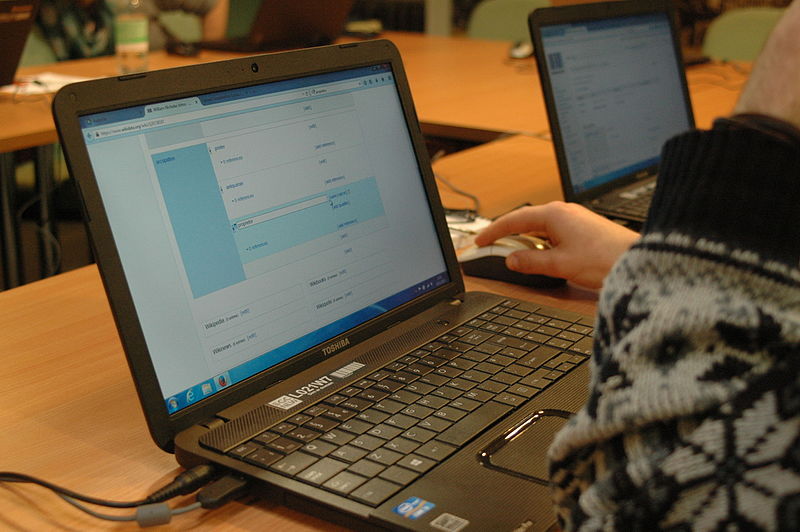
point(693, 421)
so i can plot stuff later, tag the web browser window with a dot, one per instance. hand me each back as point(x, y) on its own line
point(258, 222)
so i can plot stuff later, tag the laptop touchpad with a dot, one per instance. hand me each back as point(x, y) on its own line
point(522, 450)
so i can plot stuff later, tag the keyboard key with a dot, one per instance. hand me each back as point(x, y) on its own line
point(344, 483)
point(505, 378)
point(479, 395)
point(283, 428)
point(299, 419)
point(420, 388)
point(389, 406)
point(384, 456)
point(372, 416)
point(303, 434)
point(354, 403)
point(294, 463)
point(388, 386)
point(432, 401)
point(402, 445)
point(402, 421)
point(462, 403)
point(386, 432)
point(474, 423)
point(321, 471)
point(450, 413)
point(419, 434)
point(405, 397)
point(462, 385)
point(510, 399)
point(416, 463)
point(435, 424)
point(284, 445)
point(435, 380)
point(319, 448)
point(399, 475)
point(375, 491)
point(366, 468)
point(367, 441)
point(417, 411)
point(322, 424)
point(339, 414)
point(349, 453)
point(265, 437)
point(263, 457)
point(475, 356)
point(244, 449)
point(447, 392)
point(475, 376)
point(492, 386)
point(356, 426)
point(583, 346)
point(436, 450)
point(337, 437)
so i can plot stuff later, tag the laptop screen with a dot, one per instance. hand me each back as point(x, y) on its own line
point(617, 92)
point(255, 223)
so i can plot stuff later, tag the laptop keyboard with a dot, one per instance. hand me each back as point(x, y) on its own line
point(636, 202)
point(372, 438)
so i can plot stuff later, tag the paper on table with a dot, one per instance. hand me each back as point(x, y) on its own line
point(43, 83)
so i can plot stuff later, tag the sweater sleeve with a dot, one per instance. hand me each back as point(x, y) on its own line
point(693, 420)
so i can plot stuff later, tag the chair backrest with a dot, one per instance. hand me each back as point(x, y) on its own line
point(37, 50)
point(186, 27)
point(502, 20)
point(739, 34)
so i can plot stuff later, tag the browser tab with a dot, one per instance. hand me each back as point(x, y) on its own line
point(175, 106)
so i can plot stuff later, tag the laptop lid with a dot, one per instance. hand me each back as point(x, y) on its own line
point(280, 25)
point(16, 20)
point(615, 90)
point(250, 218)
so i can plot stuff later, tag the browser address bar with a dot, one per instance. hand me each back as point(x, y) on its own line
point(146, 124)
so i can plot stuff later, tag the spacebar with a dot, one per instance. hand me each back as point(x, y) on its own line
point(473, 423)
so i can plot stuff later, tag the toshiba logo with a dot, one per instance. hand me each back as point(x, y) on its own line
point(336, 346)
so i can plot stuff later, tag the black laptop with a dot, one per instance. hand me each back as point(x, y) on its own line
point(282, 25)
point(277, 260)
point(16, 20)
point(615, 91)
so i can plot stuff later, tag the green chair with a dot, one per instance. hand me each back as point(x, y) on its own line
point(37, 50)
point(502, 20)
point(739, 34)
point(186, 27)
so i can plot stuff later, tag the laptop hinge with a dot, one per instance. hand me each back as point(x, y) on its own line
point(212, 423)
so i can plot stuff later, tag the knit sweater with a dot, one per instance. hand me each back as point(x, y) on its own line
point(693, 420)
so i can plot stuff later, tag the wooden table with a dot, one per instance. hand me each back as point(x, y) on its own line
point(67, 404)
point(69, 412)
point(462, 87)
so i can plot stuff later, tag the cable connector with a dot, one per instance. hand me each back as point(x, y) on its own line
point(187, 482)
point(222, 491)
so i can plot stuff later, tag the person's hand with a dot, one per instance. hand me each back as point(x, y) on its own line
point(773, 85)
point(585, 244)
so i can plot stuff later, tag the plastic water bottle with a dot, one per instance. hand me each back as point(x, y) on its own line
point(131, 36)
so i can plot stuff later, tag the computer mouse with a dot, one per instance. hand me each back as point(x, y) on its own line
point(520, 50)
point(489, 261)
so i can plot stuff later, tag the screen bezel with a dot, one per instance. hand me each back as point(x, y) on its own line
point(110, 94)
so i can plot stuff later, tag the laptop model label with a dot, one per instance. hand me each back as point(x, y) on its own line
point(285, 402)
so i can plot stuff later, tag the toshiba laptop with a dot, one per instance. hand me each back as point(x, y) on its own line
point(282, 25)
point(615, 91)
point(16, 20)
point(277, 260)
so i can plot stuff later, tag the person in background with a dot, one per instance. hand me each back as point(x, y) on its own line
point(693, 418)
point(77, 29)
